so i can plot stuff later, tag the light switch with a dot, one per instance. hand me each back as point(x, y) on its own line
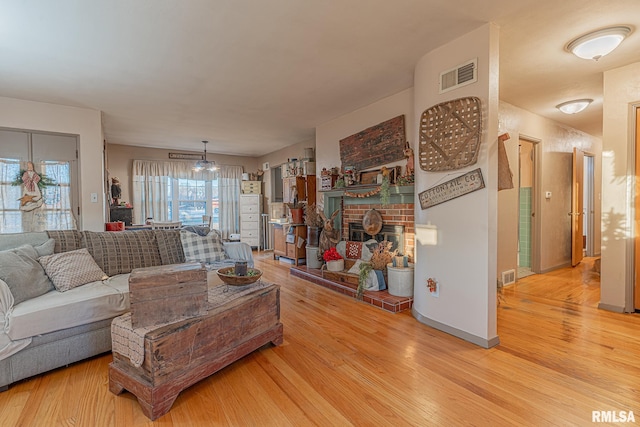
point(94, 197)
point(547, 195)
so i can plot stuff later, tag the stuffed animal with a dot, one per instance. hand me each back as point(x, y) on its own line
point(329, 236)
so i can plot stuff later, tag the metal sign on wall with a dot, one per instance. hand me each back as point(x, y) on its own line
point(464, 184)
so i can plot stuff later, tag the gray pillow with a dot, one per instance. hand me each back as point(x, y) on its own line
point(26, 278)
point(46, 248)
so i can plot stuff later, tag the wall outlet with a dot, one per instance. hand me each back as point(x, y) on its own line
point(94, 197)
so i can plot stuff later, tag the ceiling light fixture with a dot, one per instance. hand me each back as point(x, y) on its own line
point(598, 43)
point(575, 106)
point(204, 164)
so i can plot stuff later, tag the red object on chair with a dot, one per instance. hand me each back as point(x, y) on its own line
point(114, 226)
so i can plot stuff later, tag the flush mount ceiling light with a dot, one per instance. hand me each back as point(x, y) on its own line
point(598, 43)
point(575, 106)
point(205, 164)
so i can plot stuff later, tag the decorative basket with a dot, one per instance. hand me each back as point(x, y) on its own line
point(228, 276)
point(450, 135)
point(335, 265)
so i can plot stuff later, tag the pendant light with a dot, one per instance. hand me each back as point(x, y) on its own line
point(204, 164)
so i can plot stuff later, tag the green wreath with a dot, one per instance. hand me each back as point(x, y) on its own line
point(45, 181)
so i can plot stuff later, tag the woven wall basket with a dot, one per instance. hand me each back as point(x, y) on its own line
point(450, 135)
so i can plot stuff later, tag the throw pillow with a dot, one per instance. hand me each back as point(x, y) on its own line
point(169, 246)
point(353, 250)
point(66, 240)
point(68, 270)
point(46, 248)
point(207, 248)
point(23, 274)
point(122, 251)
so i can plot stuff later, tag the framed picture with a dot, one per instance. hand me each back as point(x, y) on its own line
point(369, 177)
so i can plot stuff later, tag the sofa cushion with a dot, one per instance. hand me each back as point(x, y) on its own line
point(68, 270)
point(23, 274)
point(170, 246)
point(207, 248)
point(66, 240)
point(56, 311)
point(122, 251)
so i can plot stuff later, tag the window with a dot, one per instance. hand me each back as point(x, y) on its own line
point(49, 207)
point(191, 199)
point(10, 217)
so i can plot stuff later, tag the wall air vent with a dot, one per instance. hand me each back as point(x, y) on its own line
point(508, 277)
point(459, 76)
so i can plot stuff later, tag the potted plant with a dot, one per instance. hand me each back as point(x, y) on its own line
point(334, 260)
point(297, 212)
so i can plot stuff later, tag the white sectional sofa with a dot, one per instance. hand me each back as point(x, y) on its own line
point(53, 329)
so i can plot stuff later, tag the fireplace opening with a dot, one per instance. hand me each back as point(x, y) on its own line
point(390, 233)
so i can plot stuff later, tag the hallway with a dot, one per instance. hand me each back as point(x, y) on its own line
point(578, 285)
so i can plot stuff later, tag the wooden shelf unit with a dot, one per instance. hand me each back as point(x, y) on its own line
point(282, 248)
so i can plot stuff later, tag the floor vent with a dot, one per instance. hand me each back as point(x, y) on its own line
point(459, 76)
point(508, 277)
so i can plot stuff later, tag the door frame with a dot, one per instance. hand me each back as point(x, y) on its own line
point(536, 200)
point(589, 203)
point(632, 288)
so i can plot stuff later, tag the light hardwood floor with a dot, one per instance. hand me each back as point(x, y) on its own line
point(347, 363)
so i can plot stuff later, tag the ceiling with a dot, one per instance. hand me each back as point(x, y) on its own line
point(253, 76)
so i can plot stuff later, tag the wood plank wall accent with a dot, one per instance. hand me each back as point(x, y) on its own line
point(375, 146)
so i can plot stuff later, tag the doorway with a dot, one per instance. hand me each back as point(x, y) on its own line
point(589, 205)
point(276, 184)
point(526, 206)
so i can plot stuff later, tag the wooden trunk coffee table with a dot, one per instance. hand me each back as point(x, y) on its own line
point(239, 320)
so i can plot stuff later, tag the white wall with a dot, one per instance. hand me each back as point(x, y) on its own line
point(29, 115)
point(329, 134)
point(557, 142)
point(464, 260)
point(621, 90)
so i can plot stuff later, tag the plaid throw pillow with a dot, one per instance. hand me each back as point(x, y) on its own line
point(68, 270)
point(207, 248)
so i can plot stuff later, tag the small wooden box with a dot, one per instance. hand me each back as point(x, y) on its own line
point(167, 293)
point(251, 187)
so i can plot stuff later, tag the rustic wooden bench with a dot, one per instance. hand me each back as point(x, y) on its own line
point(180, 354)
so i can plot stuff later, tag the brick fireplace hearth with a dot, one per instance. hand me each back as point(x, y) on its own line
point(398, 212)
point(352, 209)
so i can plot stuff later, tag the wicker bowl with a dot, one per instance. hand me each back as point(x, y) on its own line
point(228, 276)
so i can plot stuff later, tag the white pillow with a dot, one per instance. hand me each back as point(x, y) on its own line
point(68, 270)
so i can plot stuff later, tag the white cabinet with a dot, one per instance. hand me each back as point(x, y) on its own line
point(251, 219)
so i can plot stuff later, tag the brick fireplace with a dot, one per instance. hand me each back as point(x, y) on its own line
point(400, 214)
point(397, 214)
point(352, 209)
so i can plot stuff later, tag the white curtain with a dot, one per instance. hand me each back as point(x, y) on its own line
point(229, 181)
point(151, 187)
